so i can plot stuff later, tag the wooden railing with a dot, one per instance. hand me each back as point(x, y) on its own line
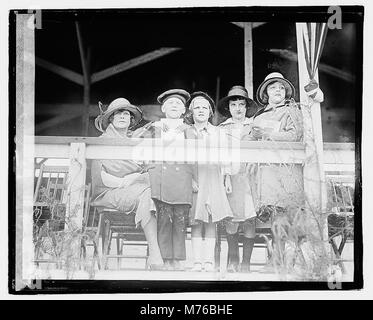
point(337, 156)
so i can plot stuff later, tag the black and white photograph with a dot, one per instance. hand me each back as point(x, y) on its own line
point(185, 149)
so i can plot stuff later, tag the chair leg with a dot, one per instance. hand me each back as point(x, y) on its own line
point(106, 244)
point(118, 240)
point(96, 257)
point(147, 258)
point(83, 253)
point(337, 254)
point(342, 244)
point(36, 255)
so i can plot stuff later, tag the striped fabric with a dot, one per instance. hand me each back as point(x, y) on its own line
point(314, 35)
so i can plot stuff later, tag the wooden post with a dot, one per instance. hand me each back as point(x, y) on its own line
point(87, 93)
point(217, 90)
point(25, 79)
point(74, 197)
point(215, 118)
point(313, 172)
point(248, 45)
point(85, 61)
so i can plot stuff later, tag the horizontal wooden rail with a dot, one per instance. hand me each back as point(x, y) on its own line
point(192, 150)
point(337, 156)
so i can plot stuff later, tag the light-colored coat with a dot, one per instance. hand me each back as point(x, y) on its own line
point(280, 185)
point(210, 202)
point(241, 198)
point(134, 197)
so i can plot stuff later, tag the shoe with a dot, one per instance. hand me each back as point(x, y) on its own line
point(209, 267)
point(168, 266)
point(245, 268)
point(232, 268)
point(197, 267)
point(177, 266)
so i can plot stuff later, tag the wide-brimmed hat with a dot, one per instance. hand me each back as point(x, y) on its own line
point(203, 95)
point(237, 92)
point(179, 93)
point(102, 120)
point(274, 77)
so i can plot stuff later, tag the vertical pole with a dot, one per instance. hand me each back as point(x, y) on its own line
point(313, 172)
point(248, 46)
point(25, 79)
point(215, 118)
point(85, 61)
point(217, 90)
point(74, 197)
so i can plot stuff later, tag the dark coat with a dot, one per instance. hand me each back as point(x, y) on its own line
point(172, 183)
point(169, 182)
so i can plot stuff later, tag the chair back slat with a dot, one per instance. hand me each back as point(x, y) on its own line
point(53, 180)
point(341, 193)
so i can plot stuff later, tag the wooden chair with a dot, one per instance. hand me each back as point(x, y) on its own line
point(48, 203)
point(49, 207)
point(49, 191)
point(262, 229)
point(341, 220)
point(121, 227)
point(89, 230)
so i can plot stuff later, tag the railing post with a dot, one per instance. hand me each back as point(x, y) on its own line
point(313, 171)
point(74, 197)
point(248, 45)
point(24, 161)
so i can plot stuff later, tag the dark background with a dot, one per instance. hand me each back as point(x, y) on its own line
point(211, 47)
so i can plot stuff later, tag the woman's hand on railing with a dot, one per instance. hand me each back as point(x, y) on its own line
point(147, 167)
point(257, 132)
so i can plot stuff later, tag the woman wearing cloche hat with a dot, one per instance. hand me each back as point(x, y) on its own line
point(279, 188)
point(280, 117)
point(124, 184)
point(240, 108)
point(105, 119)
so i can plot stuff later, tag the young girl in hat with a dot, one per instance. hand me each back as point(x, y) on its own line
point(280, 187)
point(210, 202)
point(124, 184)
point(279, 120)
point(239, 108)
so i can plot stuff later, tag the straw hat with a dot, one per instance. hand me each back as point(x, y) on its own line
point(102, 120)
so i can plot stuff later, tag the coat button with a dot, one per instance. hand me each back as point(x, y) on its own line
point(164, 167)
point(177, 169)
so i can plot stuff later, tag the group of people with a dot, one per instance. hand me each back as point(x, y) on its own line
point(166, 197)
